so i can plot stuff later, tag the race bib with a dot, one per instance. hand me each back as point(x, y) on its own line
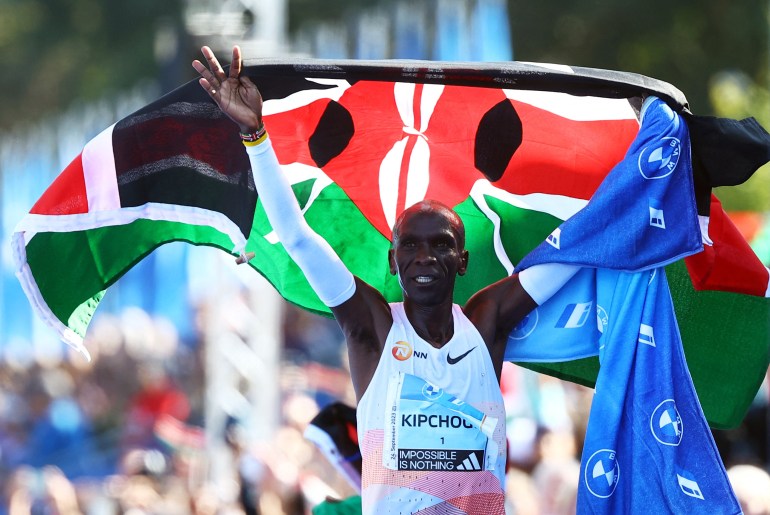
point(429, 429)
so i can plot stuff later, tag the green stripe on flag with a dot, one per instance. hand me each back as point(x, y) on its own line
point(521, 230)
point(362, 248)
point(580, 371)
point(726, 380)
point(483, 266)
point(96, 258)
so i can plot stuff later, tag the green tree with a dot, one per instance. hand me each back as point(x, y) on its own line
point(735, 95)
point(684, 42)
point(53, 52)
point(715, 51)
point(302, 12)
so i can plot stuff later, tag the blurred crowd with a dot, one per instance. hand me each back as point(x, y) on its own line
point(124, 433)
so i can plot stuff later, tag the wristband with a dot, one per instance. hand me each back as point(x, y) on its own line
point(251, 139)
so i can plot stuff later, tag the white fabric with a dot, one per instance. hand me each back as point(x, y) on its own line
point(703, 222)
point(461, 368)
point(326, 273)
point(543, 281)
point(99, 174)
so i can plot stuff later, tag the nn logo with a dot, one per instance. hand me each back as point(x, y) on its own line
point(402, 351)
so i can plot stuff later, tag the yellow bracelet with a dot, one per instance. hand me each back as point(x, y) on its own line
point(251, 139)
point(256, 141)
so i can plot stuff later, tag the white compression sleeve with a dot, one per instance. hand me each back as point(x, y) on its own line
point(541, 282)
point(326, 273)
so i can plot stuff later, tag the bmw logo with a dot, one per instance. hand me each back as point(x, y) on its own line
point(526, 326)
point(666, 423)
point(660, 160)
point(431, 391)
point(602, 473)
point(602, 318)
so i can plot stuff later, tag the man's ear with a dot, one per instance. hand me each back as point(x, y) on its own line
point(392, 261)
point(463, 263)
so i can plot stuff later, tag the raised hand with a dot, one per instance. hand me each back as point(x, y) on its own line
point(236, 96)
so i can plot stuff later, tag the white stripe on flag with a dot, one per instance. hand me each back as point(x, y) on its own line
point(296, 173)
point(555, 205)
point(39, 305)
point(33, 223)
point(767, 292)
point(703, 222)
point(575, 108)
point(428, 100)
point(560, 206)
point(390, 171)
point(306, 97)
point(418, 175)
point(99, 173)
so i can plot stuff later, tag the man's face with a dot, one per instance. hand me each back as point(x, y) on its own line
point(427, 257)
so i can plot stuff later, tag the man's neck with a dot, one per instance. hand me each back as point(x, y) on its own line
point(434, 324)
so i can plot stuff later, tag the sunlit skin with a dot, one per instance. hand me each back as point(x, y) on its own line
point(428, 253)
point(427, 256)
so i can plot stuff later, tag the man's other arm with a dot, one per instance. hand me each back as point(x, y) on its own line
point(498, 308)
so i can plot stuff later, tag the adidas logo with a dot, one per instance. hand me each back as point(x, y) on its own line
point(470, 463)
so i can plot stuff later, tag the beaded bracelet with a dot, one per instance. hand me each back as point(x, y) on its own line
point(252, 139)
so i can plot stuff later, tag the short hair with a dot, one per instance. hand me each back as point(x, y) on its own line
point(433, 207)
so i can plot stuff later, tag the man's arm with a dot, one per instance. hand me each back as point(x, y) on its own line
point(498, 308)
point(361, 311)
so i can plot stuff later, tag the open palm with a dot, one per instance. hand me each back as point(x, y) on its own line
point(236, 96)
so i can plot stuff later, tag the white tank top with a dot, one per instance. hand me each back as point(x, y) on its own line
point(431, 425)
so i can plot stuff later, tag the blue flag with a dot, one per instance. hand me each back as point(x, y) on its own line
point(648, 447)
point(642, 216)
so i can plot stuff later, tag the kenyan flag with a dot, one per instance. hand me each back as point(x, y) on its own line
point(516, 149)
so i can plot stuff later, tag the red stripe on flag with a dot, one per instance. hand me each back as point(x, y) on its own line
point(559, 156)
point(403, 178)
point(67, 194)
point(730, 264)
point(291, 131)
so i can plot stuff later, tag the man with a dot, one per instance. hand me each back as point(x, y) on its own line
point(425, 372)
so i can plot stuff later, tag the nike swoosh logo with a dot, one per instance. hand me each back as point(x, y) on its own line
point(452, 361)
